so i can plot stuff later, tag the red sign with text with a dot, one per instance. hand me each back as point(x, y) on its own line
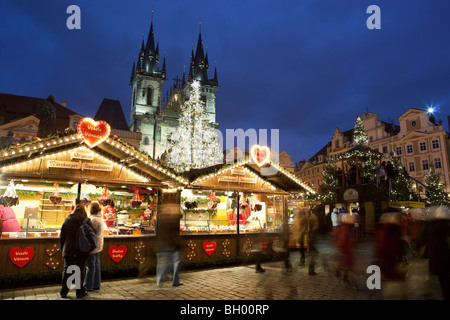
point(21, 257)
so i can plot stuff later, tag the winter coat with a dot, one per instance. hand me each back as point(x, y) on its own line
point(68, 235)
point(167, 233)
point(434, 239)
point(98, 226)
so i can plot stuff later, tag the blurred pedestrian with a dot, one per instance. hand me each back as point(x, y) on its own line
point(68, 246)
point(258, 249)
point(92, 281)
point(389, 252)
point(355, 229)
point(334, 222)
point(313, 228)
point(434, 241)
point(345, 245)
point(302, 235)
point(167, 247)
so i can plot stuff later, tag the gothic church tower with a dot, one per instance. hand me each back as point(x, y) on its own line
point(157, 117)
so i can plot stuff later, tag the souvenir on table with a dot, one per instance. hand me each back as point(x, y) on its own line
point(55, 197)
point(136, 201)
point(9, 198)
point(106, 199)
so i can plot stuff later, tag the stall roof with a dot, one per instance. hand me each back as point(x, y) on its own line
point(278, 178)
point(134, 167)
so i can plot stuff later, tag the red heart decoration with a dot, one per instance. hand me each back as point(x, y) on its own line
point(93, 132)
point(209, 247)
point(21, 257)
point(261, 155)
point(117, 254)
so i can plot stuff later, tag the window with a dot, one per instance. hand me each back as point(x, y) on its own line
point(411, 166)
point(435, 144)
point(413, 123)
point(146, 141)
point(398, 150)
point(424, 164)
point(385, 149)
point(149, 95)
point(423, 146)
point(437, 163)
point(409, 148)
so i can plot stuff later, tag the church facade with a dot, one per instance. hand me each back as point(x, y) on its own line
point(156, 115)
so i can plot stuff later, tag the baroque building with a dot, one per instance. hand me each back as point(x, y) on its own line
point(156, 116)
point(419, 140)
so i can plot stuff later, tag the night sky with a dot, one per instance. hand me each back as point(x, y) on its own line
point(304, 67)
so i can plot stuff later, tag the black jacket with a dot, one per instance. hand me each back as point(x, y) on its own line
point(167, 233)
point(68, 236)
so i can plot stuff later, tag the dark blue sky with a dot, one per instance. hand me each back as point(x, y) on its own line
point(302, 66)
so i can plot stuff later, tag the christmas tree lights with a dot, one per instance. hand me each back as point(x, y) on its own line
point(435, 189)
point(400, 183)
point(359, 134)
point(195, 143)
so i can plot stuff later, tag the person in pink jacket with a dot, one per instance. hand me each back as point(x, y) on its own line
point(10, 223)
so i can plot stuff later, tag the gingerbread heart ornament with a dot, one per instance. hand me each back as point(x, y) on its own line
point(21, 257)
point(261, 155)
point(93, 132)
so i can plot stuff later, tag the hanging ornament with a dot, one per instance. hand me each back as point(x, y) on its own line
point(55, 198)
point(109, 215)
point(9, 198)
point(105, 199)
point(136, 201)
point(84, 196)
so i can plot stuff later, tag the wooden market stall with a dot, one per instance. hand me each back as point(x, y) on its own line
point(75, 167)
point(230, 209)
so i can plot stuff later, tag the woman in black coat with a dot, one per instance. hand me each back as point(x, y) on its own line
point(72, 257)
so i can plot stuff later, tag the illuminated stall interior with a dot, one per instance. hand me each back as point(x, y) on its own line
point(48, 175)
point(244, 194)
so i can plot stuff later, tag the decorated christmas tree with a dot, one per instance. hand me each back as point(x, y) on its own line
point(359, 134)
point(330, 183)
point(400, 183)
point(195, 142)
point(435, 189)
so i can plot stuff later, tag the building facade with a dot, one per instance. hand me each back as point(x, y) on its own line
point(156, 116)
point(419, 140)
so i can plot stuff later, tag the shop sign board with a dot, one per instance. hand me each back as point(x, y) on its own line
point(228, 179)
point(82, 155)
point(247, 180)
point(97, 167)
point(93, 132)
point(63, 164)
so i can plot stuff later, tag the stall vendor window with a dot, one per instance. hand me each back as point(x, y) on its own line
point(229, 212)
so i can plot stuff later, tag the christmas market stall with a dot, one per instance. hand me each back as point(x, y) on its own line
point(41, 179)
point(229, 210)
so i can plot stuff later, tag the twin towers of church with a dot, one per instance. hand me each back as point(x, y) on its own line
point(156, 116)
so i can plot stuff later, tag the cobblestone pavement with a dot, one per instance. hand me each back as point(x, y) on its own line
point(239, 283)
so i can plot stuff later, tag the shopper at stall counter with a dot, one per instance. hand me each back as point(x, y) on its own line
point(92, 279)
point(167, 247)
point(72, 256)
